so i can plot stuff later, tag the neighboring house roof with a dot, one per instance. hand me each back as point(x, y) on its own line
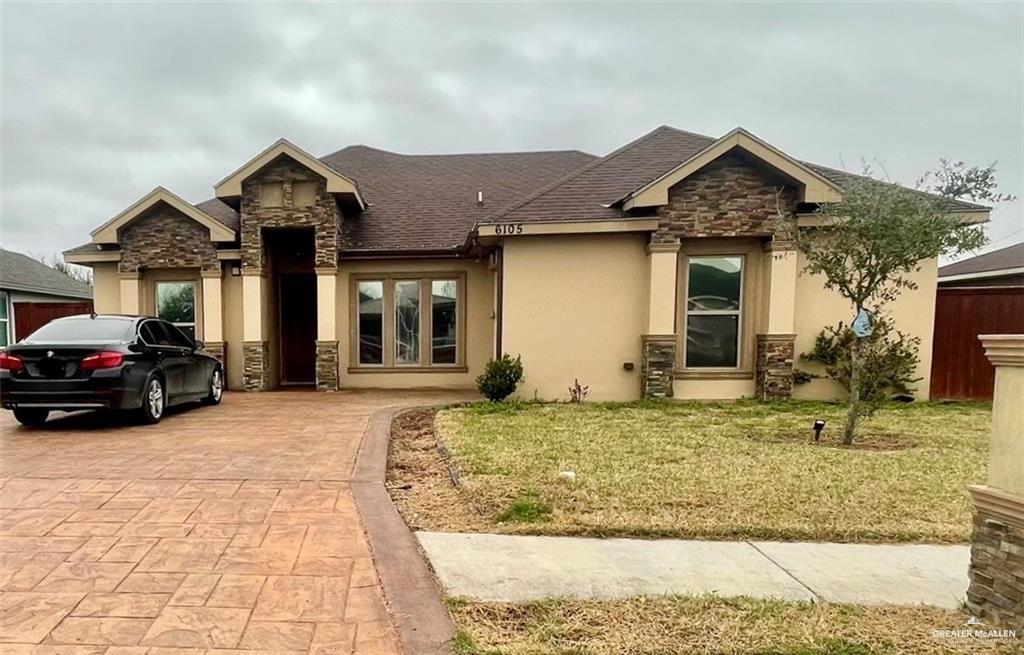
point(429, 202)
point(1005, 261)
point(22, 273)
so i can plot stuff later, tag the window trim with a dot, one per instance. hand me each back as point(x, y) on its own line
point(355, 323)
point(750, 251)
point(196, 309)
point(738, 313)
point(425, 364)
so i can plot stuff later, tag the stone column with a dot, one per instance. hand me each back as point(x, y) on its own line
point(129, 293)
point(255, 350)
point(996, 592)
point(775, 347)
point(326, 329)
point(659, 341)
point(213, 315)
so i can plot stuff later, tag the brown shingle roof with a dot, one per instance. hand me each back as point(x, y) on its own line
point(584, 193)
point(997, 260)
point(220, 211)
point(429, 202)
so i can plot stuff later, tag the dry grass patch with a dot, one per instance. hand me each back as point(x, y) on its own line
point(743, 470)
point(705, 625)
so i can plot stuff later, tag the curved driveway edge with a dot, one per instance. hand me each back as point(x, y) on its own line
point(423, 624)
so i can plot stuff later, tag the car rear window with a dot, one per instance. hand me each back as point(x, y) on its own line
point(70, 330)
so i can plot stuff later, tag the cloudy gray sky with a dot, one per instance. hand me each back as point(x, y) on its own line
point(101, 103)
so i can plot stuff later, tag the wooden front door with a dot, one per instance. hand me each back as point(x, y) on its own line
point(297, 300)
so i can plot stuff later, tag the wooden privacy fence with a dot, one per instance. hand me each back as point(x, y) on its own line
point(960, 369)
point(30, 316)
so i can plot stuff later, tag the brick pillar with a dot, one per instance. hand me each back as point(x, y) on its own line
point(774, 376)
point(255, 365)
point(996, 592)
point(659, 363)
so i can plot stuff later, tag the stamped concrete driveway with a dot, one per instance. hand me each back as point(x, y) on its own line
point(221, 529)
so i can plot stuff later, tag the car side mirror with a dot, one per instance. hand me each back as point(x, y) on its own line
point(198, 345)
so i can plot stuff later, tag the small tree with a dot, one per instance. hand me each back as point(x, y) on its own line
point(888, 361)
point(879, 233)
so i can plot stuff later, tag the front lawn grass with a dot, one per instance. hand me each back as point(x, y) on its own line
point(709, 624)
point(744, 470)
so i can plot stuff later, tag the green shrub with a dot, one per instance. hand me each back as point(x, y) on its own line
point(889, 360)
point(501, 377)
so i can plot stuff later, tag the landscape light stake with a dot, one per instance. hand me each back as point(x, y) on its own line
point(819, 425)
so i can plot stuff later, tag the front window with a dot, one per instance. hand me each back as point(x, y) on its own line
point(408, 322)
point(176, 304)
point(371, 321)
point(444, 307)
point(713, 301)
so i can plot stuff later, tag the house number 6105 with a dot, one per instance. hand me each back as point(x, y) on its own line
point(512, 228)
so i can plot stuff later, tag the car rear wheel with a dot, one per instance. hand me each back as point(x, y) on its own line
point(154, 398)
point(32, 418)
point(216, 388)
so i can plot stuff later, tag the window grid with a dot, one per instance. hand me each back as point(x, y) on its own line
point(737, 313)
point(424, 329)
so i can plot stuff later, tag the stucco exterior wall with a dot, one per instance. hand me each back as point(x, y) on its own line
point(479, 324)
point(231, 295)
point(106, 295)
point(574, 307)
point(816, 308)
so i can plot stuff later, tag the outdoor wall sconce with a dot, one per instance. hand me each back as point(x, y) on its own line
point(819, 425)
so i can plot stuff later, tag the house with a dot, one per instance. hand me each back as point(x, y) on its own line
point(32, 294)
point(979, 295)
point(660, 269)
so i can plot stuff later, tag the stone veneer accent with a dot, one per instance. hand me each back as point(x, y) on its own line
point(996, 592)
point(327, 365)
point(659, 362)
point(323, 216)
point(217, 349)
point(163, 237)
point(730, 197)
point(774, 376)
point(256, 365)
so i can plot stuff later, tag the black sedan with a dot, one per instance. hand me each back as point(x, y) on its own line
point(135, 363)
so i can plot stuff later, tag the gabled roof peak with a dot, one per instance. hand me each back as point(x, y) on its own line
point(231, 186)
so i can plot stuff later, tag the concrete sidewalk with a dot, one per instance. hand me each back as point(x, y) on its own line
point(519, 568)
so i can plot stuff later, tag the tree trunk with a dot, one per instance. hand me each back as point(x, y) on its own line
point(853, 410)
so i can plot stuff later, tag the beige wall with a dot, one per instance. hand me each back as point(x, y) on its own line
point(231, 294)
point(816, 308)
point(575, 307)
point(106, 295)
point(478, 334)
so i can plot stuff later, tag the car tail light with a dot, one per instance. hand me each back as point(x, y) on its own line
point(9, 362)
point(104, 359)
